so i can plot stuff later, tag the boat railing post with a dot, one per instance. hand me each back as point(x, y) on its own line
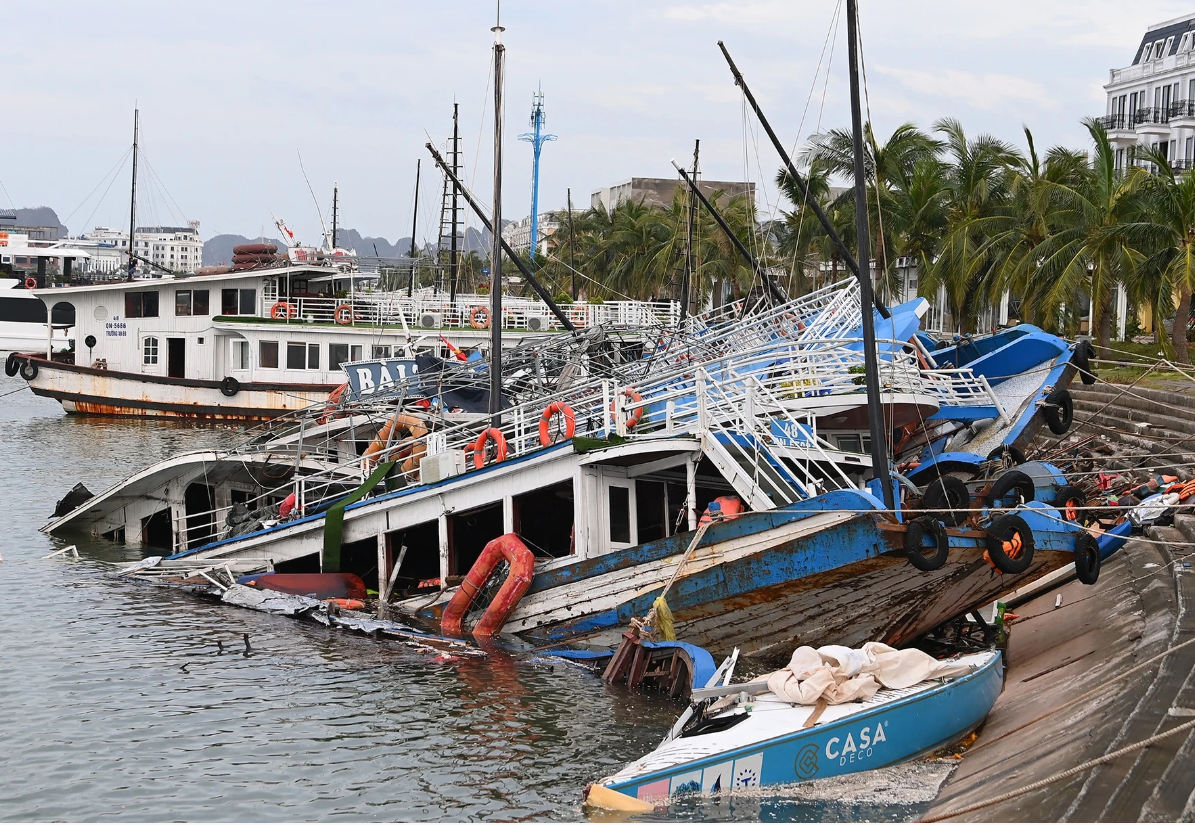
point(701, 400)
point(669, 413)
point(606, 402)
point(620, 418)
point(691, 491)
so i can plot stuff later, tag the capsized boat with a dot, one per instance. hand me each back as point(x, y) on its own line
point(832, 711)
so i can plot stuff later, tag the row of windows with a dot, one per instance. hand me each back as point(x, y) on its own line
point(1159, 49)
point(299, 355)
point(191, 302)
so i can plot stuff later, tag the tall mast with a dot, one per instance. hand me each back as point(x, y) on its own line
point(571, 240)
point(875, 411)
point(537, 139)
point(133, 196)
point(690, 253)
point(453, 263)
point(496, 241)
point(335, 197)
point(414, 224)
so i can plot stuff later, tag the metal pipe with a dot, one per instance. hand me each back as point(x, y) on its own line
point(496, 242)
point(414, 225)
point(690, 255)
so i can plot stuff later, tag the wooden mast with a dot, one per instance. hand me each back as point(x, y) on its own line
point(133, 197)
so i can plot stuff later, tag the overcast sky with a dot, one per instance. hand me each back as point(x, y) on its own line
point(230, 93)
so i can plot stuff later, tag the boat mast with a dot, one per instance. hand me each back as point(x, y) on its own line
point(335, 197)
point(496, 240)
point(571, 240)
point(875, 411)
point(690, 255)
point(414, 224)
point(133, 196)
point(453, 264)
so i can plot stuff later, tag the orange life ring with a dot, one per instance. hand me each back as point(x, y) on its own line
point(333, 402)
point(416, 430)
point(479, 317)
point(637, 415)
point(344, 314)
point(488, 434)
point(522, 568)
point(31, 283)
point(545, 422)
point(282, 309)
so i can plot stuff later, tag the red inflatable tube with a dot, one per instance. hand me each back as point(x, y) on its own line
point(522, 568)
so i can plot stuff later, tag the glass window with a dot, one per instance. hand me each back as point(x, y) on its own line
point(240, 355)
point(313, 356)
point(149, 352)
point(380, 351)
point(199, 302)
point(182, 302)
point(267, 357)
point(620, 514)
point(342, 353)
point(248, 301)
point(141, 304)
point(228, 302)
point(296, 356)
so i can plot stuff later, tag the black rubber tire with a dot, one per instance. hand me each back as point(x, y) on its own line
point(1069, 492)
point(11, 365)
point(999, 531)
point(1007, 482)
point(1014, 453)
point(948, 499)
point(1081, 358)
point(29, 370)
point(230, 386)
point(1087, 559)
point(1059, 411)
point(915, 543)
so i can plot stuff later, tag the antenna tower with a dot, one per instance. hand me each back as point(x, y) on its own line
point(537, 139)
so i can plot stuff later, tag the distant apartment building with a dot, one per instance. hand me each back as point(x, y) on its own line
point(660, 191)
point(1152, 100)
point(174, 248)
point(518, 233)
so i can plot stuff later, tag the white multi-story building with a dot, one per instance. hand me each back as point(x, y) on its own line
point(518, 233)
point(176, 248)
point(1152, 101)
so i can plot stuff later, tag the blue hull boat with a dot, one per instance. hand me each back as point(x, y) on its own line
point(775, 744)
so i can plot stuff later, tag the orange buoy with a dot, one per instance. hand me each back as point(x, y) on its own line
point(479, 317)
point(637, 414)
point(282, 309)
point(415, 429)
point(344, 314)
point(545, 423)
point(479, 446)
point(518, 580)
point(31, 283)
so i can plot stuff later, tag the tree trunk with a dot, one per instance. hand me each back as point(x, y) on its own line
point(1104, 330)
point(1178, 334)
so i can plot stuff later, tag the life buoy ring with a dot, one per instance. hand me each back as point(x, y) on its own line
point(415, 430)
point(479, 317)
point(915, 547)
point(479, 446)
point(1009, 544)
point(230, 386)
point(31, 283)
point(637, 414)
point(29, 370)
point(283, 309)
point(522, 567)
point(545, 423)
point(344, 314)
point(333, 402)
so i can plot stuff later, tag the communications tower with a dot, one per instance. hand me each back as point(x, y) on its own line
point(537, 139)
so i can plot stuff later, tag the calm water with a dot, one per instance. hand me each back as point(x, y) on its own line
point(116, 704)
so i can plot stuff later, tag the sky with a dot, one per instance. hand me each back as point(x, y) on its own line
point(231, 95)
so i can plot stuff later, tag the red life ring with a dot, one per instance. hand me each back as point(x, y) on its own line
point(637, 415)
point(479, 317)
point(333, 402)
point(522, 568)
point(282, 309)
point(344, 314)
point(31, 283)
point(545, 422)
point(488, 434)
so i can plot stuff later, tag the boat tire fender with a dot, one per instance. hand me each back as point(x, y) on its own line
point(1081, 358)
point(1068, 500)
point(1009, 543)
point(11, 365)
point(29, 370)
point(1087, 558)
point(545, 423)
point(230, 386)
point(948, 499)
point(1008, 482)
point(915, 543)
point(1015, 454)
point(1059, 411)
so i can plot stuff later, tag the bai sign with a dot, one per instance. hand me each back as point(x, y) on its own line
point(373, 378)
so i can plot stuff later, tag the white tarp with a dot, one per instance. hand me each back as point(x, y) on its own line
point(841, 674)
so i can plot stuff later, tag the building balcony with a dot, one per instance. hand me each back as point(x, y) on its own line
point(1152, 121)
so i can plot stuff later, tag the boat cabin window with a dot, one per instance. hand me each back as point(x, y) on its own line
point(300, 356)
point(468, 534)
point(149, 351)
point(191, 302)
point(620, 514)
point(421, 562)
point(238, 301)
point(854, 443)
point(267, 355)
point(141, 304)
point(342, 354)
point(380, 351)
point(240, 355)
point(543, 519)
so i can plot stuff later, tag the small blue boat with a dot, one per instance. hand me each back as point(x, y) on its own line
point(764, 740)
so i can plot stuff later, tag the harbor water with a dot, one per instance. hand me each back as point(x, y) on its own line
point(133, 703)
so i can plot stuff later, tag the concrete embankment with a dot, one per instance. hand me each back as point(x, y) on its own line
point(1141, 606)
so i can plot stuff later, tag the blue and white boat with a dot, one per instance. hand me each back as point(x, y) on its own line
point(763, 740)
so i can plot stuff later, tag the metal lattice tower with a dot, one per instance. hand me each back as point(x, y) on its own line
point(451, 240)
point(537, 139)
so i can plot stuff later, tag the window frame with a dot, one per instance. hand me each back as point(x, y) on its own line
point(261, 355)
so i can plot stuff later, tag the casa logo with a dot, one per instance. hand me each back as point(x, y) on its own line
point(855, 748)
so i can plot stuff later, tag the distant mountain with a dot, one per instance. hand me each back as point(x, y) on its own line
point(37, 216)
point(218, 250)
